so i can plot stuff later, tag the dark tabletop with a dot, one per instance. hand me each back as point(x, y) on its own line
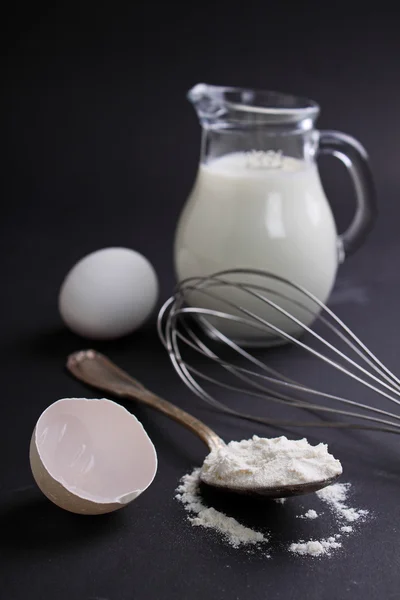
point(100, 149)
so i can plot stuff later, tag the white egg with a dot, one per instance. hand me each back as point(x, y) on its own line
point(108, 293)
point(91, 456)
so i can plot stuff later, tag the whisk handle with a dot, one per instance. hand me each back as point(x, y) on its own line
point(98, 371)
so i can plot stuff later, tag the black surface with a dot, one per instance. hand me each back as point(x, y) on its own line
point(101, 149)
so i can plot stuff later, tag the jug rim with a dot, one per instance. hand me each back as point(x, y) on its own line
point(261, 101)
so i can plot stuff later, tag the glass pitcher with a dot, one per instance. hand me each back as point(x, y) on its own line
point(258, 202)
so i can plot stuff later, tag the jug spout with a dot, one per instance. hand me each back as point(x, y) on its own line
point(208, 101)
point(226, 107)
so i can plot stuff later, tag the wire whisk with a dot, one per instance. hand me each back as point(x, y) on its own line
point(202, 334)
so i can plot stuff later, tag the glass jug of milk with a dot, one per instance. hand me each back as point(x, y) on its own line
point(258, 203)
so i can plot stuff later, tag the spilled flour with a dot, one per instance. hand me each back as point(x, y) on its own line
point(316, 548)
point(334, 497)
point(310, 514)
point(234, 533)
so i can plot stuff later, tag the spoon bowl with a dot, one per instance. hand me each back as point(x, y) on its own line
point(284, 491)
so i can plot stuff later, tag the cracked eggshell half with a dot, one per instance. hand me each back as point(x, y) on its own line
point(91, 456)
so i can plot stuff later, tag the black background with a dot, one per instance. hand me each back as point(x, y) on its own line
point(100, 148)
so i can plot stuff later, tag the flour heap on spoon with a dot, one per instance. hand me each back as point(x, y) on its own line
point(269, 462)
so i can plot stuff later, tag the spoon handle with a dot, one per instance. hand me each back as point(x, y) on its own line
point(98, 371)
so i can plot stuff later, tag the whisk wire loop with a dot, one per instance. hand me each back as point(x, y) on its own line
point(178, 325)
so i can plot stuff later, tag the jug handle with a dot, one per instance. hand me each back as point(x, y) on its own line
point(354, 156)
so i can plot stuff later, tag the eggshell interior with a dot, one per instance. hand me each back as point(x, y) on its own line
point(91, 455)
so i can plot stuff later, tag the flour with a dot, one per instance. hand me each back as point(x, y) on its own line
point(310, 514)
point(335, 496)
point(269, 462)
point(315, 547)
point(260, 462)
point(235, 533)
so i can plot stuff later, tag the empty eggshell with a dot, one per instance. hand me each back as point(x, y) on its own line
point(91, 456)
point(108, 293)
